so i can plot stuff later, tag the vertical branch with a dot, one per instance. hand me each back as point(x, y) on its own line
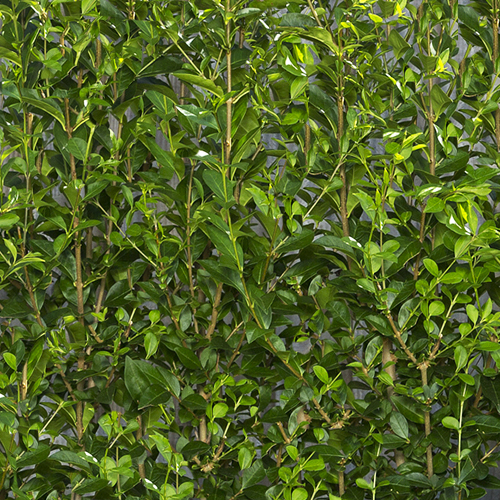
point(307, 142)
point(340, 134)
point(79, 278)
point(189, 253)
point(387, 357)
point(138, 436)
point(432, 150)
point(28, 216)
point(427, 423)
point(495, 57)
point(182, 90)
point(430, 116)
point(24, 382)
point(341, 483)
point(229, 104)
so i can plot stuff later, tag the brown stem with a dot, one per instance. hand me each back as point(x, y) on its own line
point(229, 104)
point(416, 269)
point(80, 405)
point(242, 37)
point(322, 412)
point(388, 357)
point(341, 483)
point(98, 53)
point(340, 133)
point(189, 254)
point(66, 383)
point(495, 57)
point(138, 436)
point(307, 142)
point(203, 433)
point(399, 338)
point(69, 132)
point(236, 351)
point(314, 13)
point(24, 382)
point(283, 433)
point(427, 423)
point(31, 293)
point(79, 279)
point(279, 456)
point(480, 391)
point(215, 312)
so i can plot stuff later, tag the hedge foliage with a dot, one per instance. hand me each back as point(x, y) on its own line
point(249, 249)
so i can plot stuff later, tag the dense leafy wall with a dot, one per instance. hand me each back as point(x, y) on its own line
point(249, 249)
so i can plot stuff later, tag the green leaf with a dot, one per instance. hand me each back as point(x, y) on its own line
point(10, 55)
point(154, 395)
point(431, 266)
point(434, 205)
point(292, 19)
point(77, 147)
point(300, 494)
point(139, 375)
point(161, 101)
point(399, 425)
point(321, 35)
point(46, 106)
point(491, 390)
point(200, 81)
point(224, 245)
point(108, 10)
point(223, 274)
point(91, 485)
point(8, 220)
point(462, 246)
point(297, 242)
point(221, 186)
point(408, 409)
point(472, 312)
point(250, 11)
point(151, 343)
point(195, 448)
point(440, 101)
point(436, 308)
point(323, 450)
point(88, 5)
point(253, 332)
point(293, 452)
point(399, 44)
point(321, 373)
point(10, 359)
point(244, 458)
point(219, 410)
point(461, 357)
point(487, 424)
point(195, 402)
point(253, 475)
point(450, 423)
point(488, 346)
point(164, 158)
point(71, 458)
point(417, 479)
point(188, 358)
point(116, 294)
point(33, 457)
point(363, 483)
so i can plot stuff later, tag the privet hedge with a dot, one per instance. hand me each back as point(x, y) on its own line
point(249, 249)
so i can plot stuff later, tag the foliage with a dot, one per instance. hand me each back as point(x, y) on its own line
point(249, 249)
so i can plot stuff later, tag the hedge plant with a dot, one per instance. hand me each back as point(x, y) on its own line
point(249, 249)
